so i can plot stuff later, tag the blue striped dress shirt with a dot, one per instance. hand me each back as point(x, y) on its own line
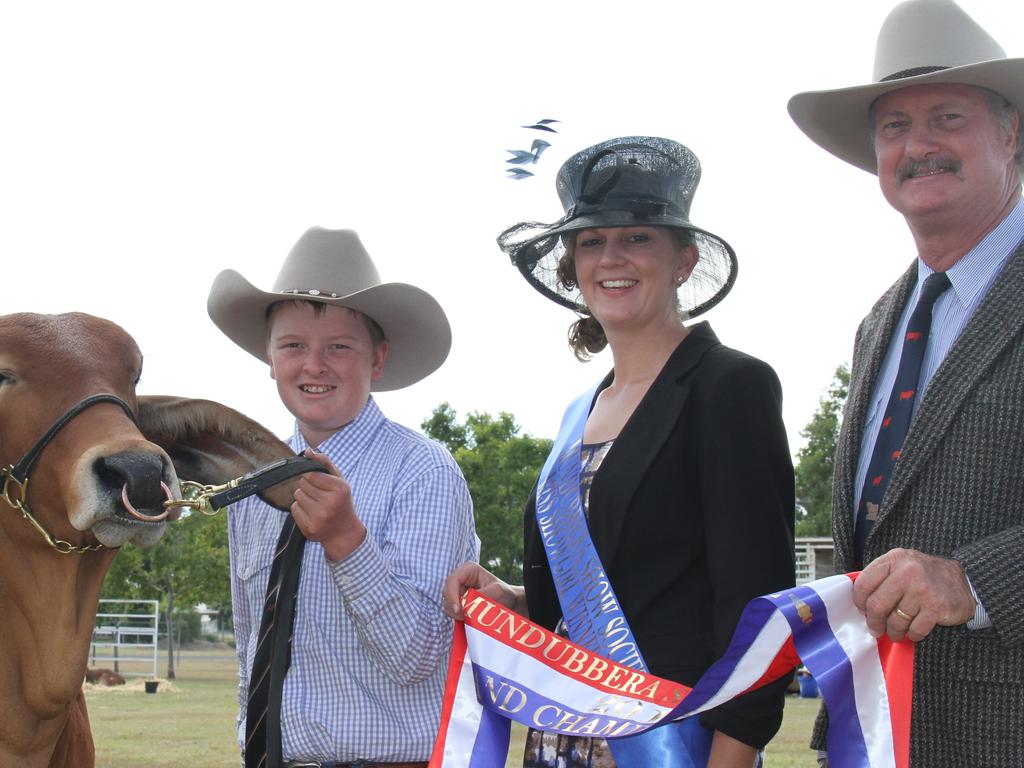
point(370, 644)
point(971, 277)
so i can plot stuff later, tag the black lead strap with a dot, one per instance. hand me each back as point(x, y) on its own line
point(265, 477)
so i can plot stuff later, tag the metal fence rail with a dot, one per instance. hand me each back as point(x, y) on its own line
point(125, 637)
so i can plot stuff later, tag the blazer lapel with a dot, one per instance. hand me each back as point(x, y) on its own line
point(872, 343)
point(996, 323)
point(641, 439)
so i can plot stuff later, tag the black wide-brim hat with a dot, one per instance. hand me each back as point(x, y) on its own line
point(629, 181)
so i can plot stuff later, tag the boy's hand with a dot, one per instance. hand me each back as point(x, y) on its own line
point(324, 511)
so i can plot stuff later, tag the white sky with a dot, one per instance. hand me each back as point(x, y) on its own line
point(145, 146)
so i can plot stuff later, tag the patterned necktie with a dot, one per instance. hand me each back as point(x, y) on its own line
point(900, 408)
point(273, 652)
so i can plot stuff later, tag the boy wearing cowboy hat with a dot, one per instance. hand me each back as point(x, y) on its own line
point(390, 519)
point(936, 519)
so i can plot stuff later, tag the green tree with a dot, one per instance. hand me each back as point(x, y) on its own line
point(816, 460)
point(189, 565)
point(443, 427)
point(500, 467)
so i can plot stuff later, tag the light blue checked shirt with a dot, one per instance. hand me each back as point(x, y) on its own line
point(971, 277)
point(370, 644)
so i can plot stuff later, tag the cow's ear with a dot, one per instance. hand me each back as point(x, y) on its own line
point(210, 443)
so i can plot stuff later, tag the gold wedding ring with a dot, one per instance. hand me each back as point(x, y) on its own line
point(903, 615)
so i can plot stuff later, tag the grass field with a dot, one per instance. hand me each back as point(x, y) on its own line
point(190, 721)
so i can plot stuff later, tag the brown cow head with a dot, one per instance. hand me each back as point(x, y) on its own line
point(102, 474)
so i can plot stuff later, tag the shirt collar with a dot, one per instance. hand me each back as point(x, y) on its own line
point(351, 439)
point(976, 270)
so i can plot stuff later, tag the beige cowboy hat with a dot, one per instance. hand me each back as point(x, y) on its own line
point(331, 266)
point(921, 42)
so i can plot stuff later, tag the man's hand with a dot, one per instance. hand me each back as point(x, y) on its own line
point(472, 575)
point(905, 593)
point(324, 511)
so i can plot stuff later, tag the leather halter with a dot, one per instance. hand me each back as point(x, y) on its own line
point(208, 498)
point(18, 473)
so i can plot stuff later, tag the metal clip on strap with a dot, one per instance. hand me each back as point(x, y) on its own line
point(263, 478)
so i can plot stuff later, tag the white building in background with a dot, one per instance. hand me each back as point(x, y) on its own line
point(814, 558)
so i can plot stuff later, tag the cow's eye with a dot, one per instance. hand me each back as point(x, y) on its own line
point(6, 377)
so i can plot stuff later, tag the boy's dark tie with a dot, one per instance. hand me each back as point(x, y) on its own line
point(273, 652)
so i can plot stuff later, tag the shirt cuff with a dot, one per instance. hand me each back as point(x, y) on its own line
point(358, 573)
point(981, 619)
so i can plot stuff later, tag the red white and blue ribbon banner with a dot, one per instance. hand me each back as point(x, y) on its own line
point(504, 667)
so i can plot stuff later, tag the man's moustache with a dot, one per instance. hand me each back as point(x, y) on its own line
point(928, 166)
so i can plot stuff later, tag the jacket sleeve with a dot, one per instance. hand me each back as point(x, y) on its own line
point(993, 565)
point(746, 476)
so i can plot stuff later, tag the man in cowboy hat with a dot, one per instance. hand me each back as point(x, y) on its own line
point(359, 673)
point(929, 479)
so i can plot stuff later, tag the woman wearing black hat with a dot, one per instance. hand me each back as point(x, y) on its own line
point(685, 510)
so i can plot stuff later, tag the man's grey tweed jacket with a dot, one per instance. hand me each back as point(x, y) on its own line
point(957, 491)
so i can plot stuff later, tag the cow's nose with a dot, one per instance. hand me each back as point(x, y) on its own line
point(139, 472)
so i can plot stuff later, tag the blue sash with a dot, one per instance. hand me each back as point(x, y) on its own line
point(589, 606)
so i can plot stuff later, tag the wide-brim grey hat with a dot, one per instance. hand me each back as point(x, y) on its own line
point(921, 42)
point(629, 181)
point(332, 267)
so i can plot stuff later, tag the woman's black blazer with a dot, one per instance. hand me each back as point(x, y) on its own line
point(691, 513)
